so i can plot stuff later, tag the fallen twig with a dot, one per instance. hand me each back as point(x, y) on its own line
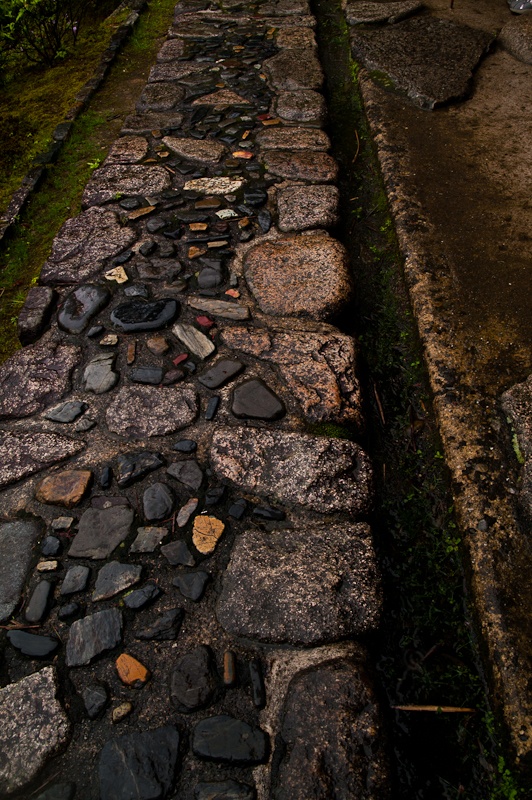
point(438, 709)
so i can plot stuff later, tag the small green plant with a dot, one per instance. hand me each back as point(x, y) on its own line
point(95, 163)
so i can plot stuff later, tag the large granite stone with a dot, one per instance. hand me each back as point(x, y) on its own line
point(229, 741)
point(32, 645)
point(125, 179)
point(314, 471)
point(516, 37)
point(137, 124)
point(139, 765)
point(82, 245)
point(16, 543)
point(206, 151)
point(299, 276)
point(162, 96)
point(100, 531)
point(93, 635)
point(128, 150)
point(80, 306)
point(22, 454)
point(293, 138)
point(301, 165)
point(187, 472)
point(193, 680)
point(303, 207)
point(313, 584)
point(35, 313)
point(331, 736)
point(33, 727)
point(36, 377)
point(365, 11)
point(517, 406)
point(294, 69)
point(301, 106)
point(431, 60)
point(144, 411)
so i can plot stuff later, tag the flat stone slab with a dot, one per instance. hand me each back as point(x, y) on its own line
point(293, 138)
point(222, 98)
point(431, 60)
point(223, 790)
point(206, 151)
point(163, 96)
point(301, 165)
point(253, 399)
point(517, 405)
point(319, 369)
point(145, 411)
point(331, 735)
point(100, 531)
point(83, 244)
point(229, 741)
point(313, 471)
point(303, 106)
point(128, 150)
point(304, 207)
point(31, 730)
point(113, 578)
point(311, 585)
point(23, 454)
point(299, 276)
point(219, 308)
point(360, 12)
point(16, 544)
point(124, 179)
point(93, 635)
point(294, 69)
point(152, 121)
point(516, 38)
point(35, 378)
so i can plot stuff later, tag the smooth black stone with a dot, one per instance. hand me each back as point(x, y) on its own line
point(138, 315)
point(221, 373)
point(147, 248)
point(165, 628)
point(67, 412)
point(132, 467)
point(38, 603)
point(229, 741)
point(192, 584)
point(95, 698)
point(268, 513)
point(255, 197)
point(214, 496)
point(75, 580)
point(223, 790)
point(50, 546)
point(178, 554)
point(123, 258)
point(254, 400)
point(264, 218)
point(186, 472)
point(141, 597)
point(80, 306)
point(185, 446)
point(68, 610)
point(137, 290)
point(129, 203)
point(258, 691)
point(212, 408)
point(148, 375)
point(106, 477)
point(193, 680)
point(139, 765)
point(238, 509)
point(191, 216)
point(95, 331)
point(155, 224)
point(59, 791)
point(32, 645)
point(158, 502)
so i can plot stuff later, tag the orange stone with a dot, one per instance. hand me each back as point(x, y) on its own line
point(130, 671)
point(140, 212)
point(198, 226)
point(268, 122)
point(206, 533)
point(64, 488)
point(242, 154)
point(233, 293)
point(131, 353)
point(194, 252)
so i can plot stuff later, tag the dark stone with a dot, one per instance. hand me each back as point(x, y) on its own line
point(75, 580)
point(113, 578)
point(268, 513)
point(35, 314)
point(254, 400)
point(238, 509)
point(221, 373)
point(80, 306)
point(95, 331)
point(155, 224)
point(264, 218)
point(209, 278)
point(229, 741)
point(66, 412)
point(165, 628)
point(148, 375)
point(141, 597)
point(106, 478)
point(193, 680)
point(50, 546)
point(101, 530)
point(59, 791)
point(258, 691)
point(137, 290)
point(173, 376)
point(186, 472)
point(139, 315)
point(255, 197)
point(192, 584)
point(134, 466)
point(212, 408)
point(130, 204)
point(158, 502)
point(31, 645)
point(178, 554)
point(68, 610)
point(185, 446)
point(95, 698)
point(93, 635)
point(16, 544)
point(99, 376)
point(139, 765)
point(224, 790)
point(214, 495)
point(103, 502)
point(147, 248)
point(38, 603)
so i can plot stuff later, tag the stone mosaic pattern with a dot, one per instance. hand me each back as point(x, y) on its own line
point(158, 439)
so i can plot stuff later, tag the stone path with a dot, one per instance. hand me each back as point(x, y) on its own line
point(185, 566)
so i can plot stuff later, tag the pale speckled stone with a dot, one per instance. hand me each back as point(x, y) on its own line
point(290, 38)
point(124, 179)
point(22, 454)
point(362, 11)
point(294, 69)
point(162, 96)
point(301, 165)
point(220, 185)
point(127, 150)
point(144, 411)
point(301, 106)
point(287, 138)
point(304, 207)
point(16, 550)
point(206, 151)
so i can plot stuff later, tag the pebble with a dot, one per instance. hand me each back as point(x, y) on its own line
point(219, 308)
point(106, 478)
point(157, 502)
point(95, 698)
point(165, 628)
point(186, 511)
point(238, 509)
point(93, 635)
point(132, 467)
point(195, 341)
point(64, 488)
point(268, 513)
point(214, 496)
point(258, 691)
point(101, 531)
point(140, 765)
point(51, 545)
point(192, 584)
point(99, 376)
point(178, 554)
point(32, 645)
point(185, 446)
point(186, 472)
point(147, 375)
point(66, 412)
point(227, 740)
point(131, 672)
point(120, 712)
point(192, 681)
point(252, 399)
point(80, 306)
point(113, 578)
point(141, 597)
point(68, 610)
point(38, 602)
point(75, 580)
point(157, 345)
point(139, 315)
point(109, 340)
point(148, 539)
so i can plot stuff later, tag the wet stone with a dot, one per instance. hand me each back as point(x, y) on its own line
point(160, 97)
point(146, 123)
point(66, 412)
point(138, 315)
point(26, 453)
point(69, 610)
point(131, 467)
point(95, 698)
point(144, 411)
point(50, 546)
point(157, 502)
point(187, 473)
point(138, 290)
point(38, 604)
point(64, 488)
point(127, 179)
point(178, 554)
point(205, 151)
point(100, 531)
point(294, 69)
point(59, 791)
point(192, 584)
point(128, 150)
point(302, 165)
point(194, 340)
point(140, 765)
point(224, 790)
point(254, 400)
point(99, 376)
point(80, 306)
point(301, 106)
point(229, 741)
point(219, 308)
point(32, 645)
point(75, 580)
point(151, 376)
point(221, 373)
point(113, 578)
point(35, 314)
point(293, 138)
point(185, 446)
point(93, 635)
point(193, 681)
point(16, 545)
point(141, 597)
point(302, 207)
point(148, 539)
point(165, 628)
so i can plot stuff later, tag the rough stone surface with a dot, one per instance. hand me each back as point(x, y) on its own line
point(22, 454)
point(113, 578)
point(137, 124)
point(107, 182)
point(75, 580)
point(192, 584)
point(301, 165)
point(65, 488)
point(303, 207)
point(165, 628)
point(93, 635)
point(517, 405)
point(100, 531)
point(157, 502)
point(516, 38)
point(314, 471)
point(229, 741)
point(193, 681)
point(222, 98)
point(303, 586)
point(131, 467)
point(138, 315)
point(361, 12)
point(206, 151)
point(293, 138)
point(219, 308)
point(405, 52)
point(194, 340)
point(83, 244)
point(148, 539)
point(32, 645)
point(331, 736)
point(143, 411)
point(294, 69)
point(127, 150)
point(303, 106)
point(38, 602)
point(221, 373)
point(160, 97)
point(16, 543)
point(35, 313)
point(33, 727)
point(99, 376)
point(35, 377)
point(299, 276)
point(206, 533)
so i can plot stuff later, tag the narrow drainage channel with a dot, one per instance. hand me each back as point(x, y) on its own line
point(425, 653)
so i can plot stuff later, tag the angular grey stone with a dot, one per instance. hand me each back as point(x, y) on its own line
point(187, 473)
point(75, 580)
point(30, 732)
point(205, 151)
point(172, 50)
point(301, 165)
point(178, 554)
point(32, 645)
point(93, 635)
point(148, 376)
point(331, 735)
point(165, 628)
point(292, 138)
point(223, 790)
point(80, 306)
point(405, 53)
point(294, 69)
point(192, 584)
point(22, 454)
point(113, 578)
point(99, 376)
point(229, 741)
point(221, 373)
point(66, 412)
point(176, 71)
point(38, 602)
point(301, 106)
point(126, 179)
point(95, 698)
point(304, 586)
point(148, 539)
point(141, 597)
point(144, 411)
point(82, 245)
point(516, 38)
point(16, 543)
point(157, 502)
point(132, 467)
point(160, 97)
point(254, 400)
point(146, 123)
point(35, 313)
point(313, 471)
point(193, 681)
point(365, 11)
point(303, 207)
point(194, 340)
point(35, 378)
point(128, 150)
point(100, 531)
point(219, 308)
